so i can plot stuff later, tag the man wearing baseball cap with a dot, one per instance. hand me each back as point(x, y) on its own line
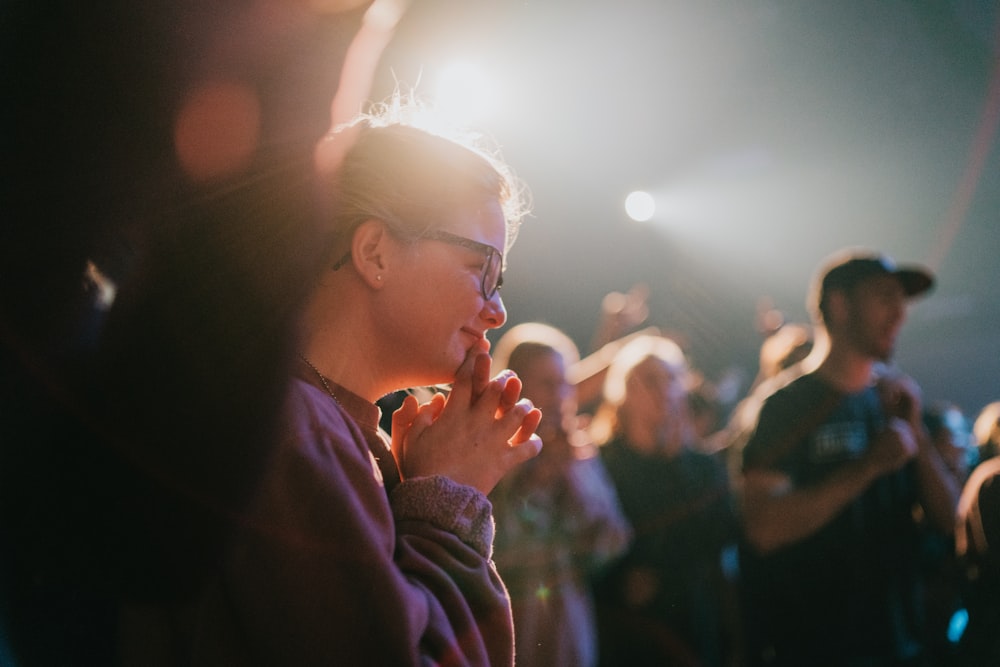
point(837, 471)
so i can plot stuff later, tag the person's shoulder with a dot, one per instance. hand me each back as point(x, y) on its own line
point(614, 453)
point(978, 515)
point(780, 413)
point(307, 404)
point(983, 480)
point(988, 468)
point(613, 447)
point(314, 419)
point(794, 392)
point(799, 382)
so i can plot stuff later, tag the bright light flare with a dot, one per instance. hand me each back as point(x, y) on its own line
point(465, 93)
point(640, 206)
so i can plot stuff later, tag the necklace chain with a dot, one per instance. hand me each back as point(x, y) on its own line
point(322, 378)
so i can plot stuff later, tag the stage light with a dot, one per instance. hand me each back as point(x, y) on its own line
point(640, 206)
point(465, 93)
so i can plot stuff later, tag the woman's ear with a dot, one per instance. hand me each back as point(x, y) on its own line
point(370, 250)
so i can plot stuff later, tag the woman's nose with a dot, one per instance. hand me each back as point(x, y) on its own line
point(494, 312)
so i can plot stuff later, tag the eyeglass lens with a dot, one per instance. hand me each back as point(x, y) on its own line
point(492, 274)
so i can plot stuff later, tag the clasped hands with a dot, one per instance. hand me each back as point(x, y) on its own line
point(473, 435)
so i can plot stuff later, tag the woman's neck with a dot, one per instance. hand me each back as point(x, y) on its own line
point(338, 342)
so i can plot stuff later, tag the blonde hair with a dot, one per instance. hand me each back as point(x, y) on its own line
point(395, 168)
point(522, 342)
point(634, 353)
point(606, 421)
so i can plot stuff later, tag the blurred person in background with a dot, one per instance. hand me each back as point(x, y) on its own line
point(558, 518)
point(663, 601)
point(977, 547)
point(156, 155)
point(942, 584)
point(837, 462)
point(986, 430)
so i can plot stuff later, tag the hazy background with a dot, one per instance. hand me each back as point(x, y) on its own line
point(772, 133)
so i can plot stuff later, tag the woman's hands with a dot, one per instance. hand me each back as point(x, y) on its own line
point(475, 435)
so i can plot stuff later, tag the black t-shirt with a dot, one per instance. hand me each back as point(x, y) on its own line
point(681, 512)
point(849, 589)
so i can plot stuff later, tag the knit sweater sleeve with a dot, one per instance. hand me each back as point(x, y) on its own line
point(447, 505)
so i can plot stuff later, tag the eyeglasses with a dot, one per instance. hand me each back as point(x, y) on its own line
point(492, 276)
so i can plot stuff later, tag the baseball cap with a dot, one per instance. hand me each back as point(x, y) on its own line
point(845, 269)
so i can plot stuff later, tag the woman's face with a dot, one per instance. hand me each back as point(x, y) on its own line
point(437, 310)
point(654, 394)
point(544, 382)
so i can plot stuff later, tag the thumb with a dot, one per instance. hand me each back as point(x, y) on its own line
point(402, 421)
point(426, 415)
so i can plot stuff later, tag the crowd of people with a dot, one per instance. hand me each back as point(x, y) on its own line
point(202, 467)
point(820, 525)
